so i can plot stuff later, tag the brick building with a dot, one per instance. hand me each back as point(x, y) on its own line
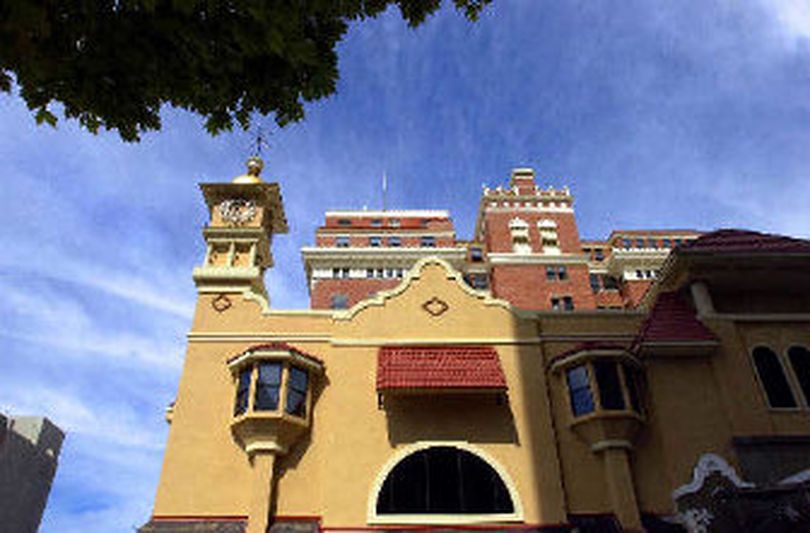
point(525, 249)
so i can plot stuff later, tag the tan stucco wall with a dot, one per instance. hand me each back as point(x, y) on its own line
point(693, 405)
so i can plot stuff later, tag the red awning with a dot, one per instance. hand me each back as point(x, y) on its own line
point(439, 367)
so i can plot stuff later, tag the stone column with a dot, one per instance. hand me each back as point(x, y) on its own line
point(261, 491)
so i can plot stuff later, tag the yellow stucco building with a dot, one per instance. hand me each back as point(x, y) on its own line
point(434, 405)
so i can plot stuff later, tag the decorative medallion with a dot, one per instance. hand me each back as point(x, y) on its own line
point(221, 303)
point(435, 306)
point(237, 211)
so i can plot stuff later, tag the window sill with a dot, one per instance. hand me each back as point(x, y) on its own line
point(443, 519)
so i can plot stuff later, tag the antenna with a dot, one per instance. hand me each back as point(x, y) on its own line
point(384, 189)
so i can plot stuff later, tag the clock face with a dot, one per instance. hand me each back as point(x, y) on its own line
point(237, 211)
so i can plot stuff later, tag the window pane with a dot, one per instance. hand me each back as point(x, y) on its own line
point(340, 301)
point(773, 379)
point(296, 403)
point(579, 390)
point(551, 275)
point(568, 303)
point(562, 273)
point(631, 377)
point(242, 391)
point(594, 279)
point(800, 361)
point(267, 387)
point(610, 388)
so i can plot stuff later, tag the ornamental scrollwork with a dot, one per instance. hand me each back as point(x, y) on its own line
point(237, 211)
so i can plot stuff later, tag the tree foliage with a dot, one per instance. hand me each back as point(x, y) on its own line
point(114, 63)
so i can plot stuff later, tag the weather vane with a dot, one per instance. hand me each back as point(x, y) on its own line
point(261, 141)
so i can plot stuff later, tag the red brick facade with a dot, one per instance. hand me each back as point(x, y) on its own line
point(354, 289)
point(526, 249)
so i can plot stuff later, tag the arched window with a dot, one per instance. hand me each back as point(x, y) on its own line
point(772, 375)
point(443, 480)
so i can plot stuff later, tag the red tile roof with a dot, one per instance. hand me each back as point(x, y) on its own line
point(429, 367)
point(278, 345)
point(744, 241)
point(673, 320)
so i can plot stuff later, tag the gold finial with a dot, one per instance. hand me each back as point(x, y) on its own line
point(254, 168)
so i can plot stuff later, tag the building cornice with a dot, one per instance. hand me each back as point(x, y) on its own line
point(536, 259)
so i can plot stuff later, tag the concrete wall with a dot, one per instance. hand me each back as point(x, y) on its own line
point(29, 451)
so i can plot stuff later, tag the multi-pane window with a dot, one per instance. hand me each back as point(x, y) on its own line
point(556, 273)
point(627, 243)
point(393, 222)
point(342, 242)
point(375, 241)
point(599, 254)
point(297, 392)
point(266, 377)
point(785, 380)
point(268, 384)
point(394, 241)
point(613, 383)
point(667, 243)
point(476, 254)
point(652, 243)
point(639, 243)
point(428, 241)
point(564, 303)
point(344, 222)
point(376, 222)
point(443, 480)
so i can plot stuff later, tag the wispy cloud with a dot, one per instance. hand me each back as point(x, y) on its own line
point(656, 116)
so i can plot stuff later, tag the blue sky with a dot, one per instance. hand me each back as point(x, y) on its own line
point(687, 114)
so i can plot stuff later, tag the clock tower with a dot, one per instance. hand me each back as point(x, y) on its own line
point(244, 216)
